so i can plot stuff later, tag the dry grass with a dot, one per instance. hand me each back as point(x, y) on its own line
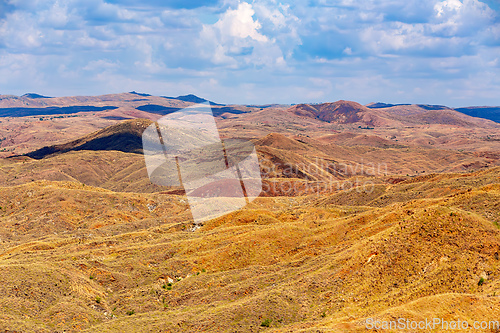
point(88, 244)
point(304, 264)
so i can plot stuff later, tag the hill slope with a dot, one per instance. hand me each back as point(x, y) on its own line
point(341, 112)
point(125, 137)
point(380, 114)
point(113, 262)
point(487, 112)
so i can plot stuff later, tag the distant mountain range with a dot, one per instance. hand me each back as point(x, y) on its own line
point(185, 98)
point(193, 99)
point(34, 96)
point(486, 112)
point(380, 115)
point(53, 110)
point(32, 104)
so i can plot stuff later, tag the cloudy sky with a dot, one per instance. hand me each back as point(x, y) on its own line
point(261, 51)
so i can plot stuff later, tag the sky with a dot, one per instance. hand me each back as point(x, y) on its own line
point(255, 52)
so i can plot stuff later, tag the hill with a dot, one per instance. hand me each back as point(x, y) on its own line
point(91, 260)
point(109, 169)
point(382, 213)
point(194, 99)
point(341, 112)
point(125, 137)
point(24, 112)
point(388, 115)
point(34, 96)
point(487, 112)
point(300, 161)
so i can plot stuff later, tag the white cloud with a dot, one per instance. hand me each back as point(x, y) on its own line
point(347, 51)
point(239, 23)
point(235, 40)
point(365, 49)
point(56, 16)
point(453, 17)
point(444, 7)
point(100, 65)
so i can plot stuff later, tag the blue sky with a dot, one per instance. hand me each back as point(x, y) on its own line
point(255, 52)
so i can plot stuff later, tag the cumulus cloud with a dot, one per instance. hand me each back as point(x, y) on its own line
point(456, 18)
point(278, 50)
point(236, 39)
point(239, 24)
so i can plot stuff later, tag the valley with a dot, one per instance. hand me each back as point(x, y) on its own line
point(379, 211)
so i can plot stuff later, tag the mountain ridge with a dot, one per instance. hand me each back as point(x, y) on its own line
point(125, 137)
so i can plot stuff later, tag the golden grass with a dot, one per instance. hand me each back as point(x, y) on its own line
point(305, 264)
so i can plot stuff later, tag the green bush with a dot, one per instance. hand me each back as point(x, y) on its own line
point(266, 323)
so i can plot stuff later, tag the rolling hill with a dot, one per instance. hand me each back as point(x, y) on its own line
point(342, 112)
point(112, 159)
point(88, 259)
point(388, 115)
point(125, 137)
point(382, 212)
point(485, 112)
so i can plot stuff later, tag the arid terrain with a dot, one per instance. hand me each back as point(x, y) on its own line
point(379, 211)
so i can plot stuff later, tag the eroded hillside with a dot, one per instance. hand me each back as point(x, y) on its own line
point(76, 258)
point(365, 213)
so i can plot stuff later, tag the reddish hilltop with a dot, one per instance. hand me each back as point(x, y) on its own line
point(348, 112)
point(343, 112)
point(340, 111)
point(280, 141)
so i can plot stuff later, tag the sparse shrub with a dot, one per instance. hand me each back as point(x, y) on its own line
point(323, 315)
point(480, 282)
point(91, 277)
point(164, 286)
point(266, 323)
point(98, 299)
point(131, 312)
point(203, 270)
